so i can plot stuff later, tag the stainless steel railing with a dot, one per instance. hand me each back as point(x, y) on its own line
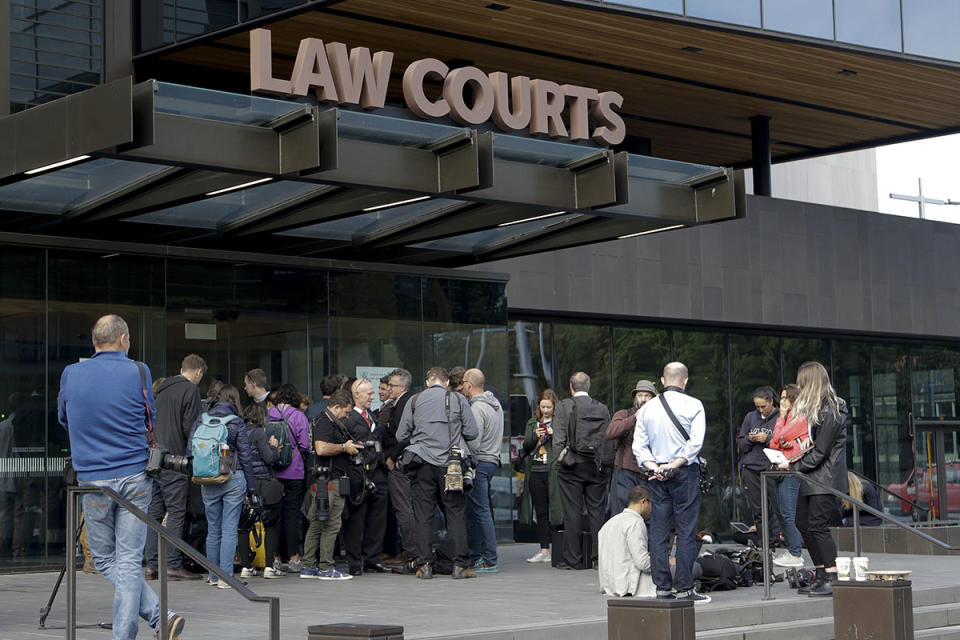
point(164, 538)
point(764, 511)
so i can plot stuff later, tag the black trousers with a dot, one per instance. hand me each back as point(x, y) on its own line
point(169, 497)
point(271, 533)
point(815, 515)
point(365, 525)
point(751, 483)
point(426, 491)
point(291, 520)
point(582, 485)
point(540, 494)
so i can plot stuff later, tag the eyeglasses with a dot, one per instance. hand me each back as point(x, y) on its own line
point(394, 385)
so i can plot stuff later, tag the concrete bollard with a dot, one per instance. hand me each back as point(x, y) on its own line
point(349, 631)
point(635, 618)
point(880, 610)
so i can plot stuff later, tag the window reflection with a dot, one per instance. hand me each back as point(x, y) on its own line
point(812, 18)
point(638, 354)
point(582, 347)
point(891, 401)
point(852, 380)
point(870, 23)
point(745, 12)
point(930, 28)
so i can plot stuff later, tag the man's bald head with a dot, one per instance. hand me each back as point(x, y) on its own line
point(579, 381)
point(474, 377)
point(675, 374)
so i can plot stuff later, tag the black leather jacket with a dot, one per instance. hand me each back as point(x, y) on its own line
point(826, 461)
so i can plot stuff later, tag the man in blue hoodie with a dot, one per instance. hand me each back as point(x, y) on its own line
point(104, 405)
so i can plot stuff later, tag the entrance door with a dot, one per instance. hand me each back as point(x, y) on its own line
point(936, 475)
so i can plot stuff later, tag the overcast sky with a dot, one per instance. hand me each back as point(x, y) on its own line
point(936, 161)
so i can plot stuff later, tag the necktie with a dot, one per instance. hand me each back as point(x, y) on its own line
point(366, 417)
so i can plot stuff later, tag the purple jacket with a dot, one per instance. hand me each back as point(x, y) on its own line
point(300, 428)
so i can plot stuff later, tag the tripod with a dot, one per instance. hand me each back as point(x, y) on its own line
point(45, 611)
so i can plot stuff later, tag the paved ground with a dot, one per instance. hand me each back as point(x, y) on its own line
point(520, 595)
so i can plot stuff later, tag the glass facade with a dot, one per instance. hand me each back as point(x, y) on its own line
point(882, 382)
point(55, 50)
point(296, 324)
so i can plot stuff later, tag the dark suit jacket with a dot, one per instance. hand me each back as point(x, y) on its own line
point(391, 447)
point(360, 431)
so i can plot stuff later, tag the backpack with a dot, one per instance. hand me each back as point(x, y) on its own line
point(280, 430)
point(210, 464)
point(718, 573)
point(589, 437)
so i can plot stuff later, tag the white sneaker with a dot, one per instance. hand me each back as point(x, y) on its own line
point(787, 559)
point(271, 573)
point(540, 556)
point(252, 572)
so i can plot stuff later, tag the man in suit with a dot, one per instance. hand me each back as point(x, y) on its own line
point(367, 510)
point(399, 482)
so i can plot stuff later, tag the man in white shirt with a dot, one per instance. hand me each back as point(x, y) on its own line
point(624, 559)
point(667, 442)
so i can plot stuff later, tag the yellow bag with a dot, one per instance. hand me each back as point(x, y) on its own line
point(259, 561)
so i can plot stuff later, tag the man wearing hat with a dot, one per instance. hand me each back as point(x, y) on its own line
point(626, 471)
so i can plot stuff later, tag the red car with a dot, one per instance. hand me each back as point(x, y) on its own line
point(916, 488)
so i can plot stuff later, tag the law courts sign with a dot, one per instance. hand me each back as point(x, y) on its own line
point(469, 96)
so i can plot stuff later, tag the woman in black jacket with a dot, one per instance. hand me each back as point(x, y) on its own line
point(263, 454)
point(753, 438)
point(825, 462)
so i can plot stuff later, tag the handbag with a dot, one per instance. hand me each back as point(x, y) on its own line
point(706, 480)
point(270, 490)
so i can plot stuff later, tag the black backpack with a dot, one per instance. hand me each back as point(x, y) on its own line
point(588, 425)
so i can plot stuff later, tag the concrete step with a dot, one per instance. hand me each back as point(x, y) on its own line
point(939, 633)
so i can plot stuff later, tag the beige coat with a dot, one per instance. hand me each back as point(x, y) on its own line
point(624, 559)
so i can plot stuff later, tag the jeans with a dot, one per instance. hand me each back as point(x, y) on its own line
point(676, 505)
point(169, 497)
point(622, 482)
point(116, 540)
point(481, 532)
point(223, 503)
point(788, 489)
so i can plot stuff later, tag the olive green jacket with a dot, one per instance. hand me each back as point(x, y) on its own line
point(526, 501)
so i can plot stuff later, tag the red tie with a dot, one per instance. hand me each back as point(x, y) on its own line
point(366, 419)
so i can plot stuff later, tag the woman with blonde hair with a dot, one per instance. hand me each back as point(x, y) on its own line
point(825, 462)
point(865, 493)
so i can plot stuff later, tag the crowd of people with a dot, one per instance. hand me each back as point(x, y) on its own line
point(315, 474)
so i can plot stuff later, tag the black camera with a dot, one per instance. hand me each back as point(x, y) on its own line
point(372, 445)
point(159, 459)
point(798, 578)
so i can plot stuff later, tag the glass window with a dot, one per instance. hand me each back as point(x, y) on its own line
point(745, 12)
point(853, 382)
point(705, 354)
point(754, 362)
point(934, 382)
point(870, 23)
point(667, 6)
point(812, 18)
point(796, 351)
point(638, 354)
point(583, 347)
point(891, 402)
point(531, 368)
point(930, 28)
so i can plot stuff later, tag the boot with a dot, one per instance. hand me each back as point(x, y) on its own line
point(425, 572)
point(821, 588)
point(88, 566)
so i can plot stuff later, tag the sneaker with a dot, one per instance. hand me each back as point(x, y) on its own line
point(174, 627)
point(278, 566)
point(697, 598)
point(482, 566)
point(211, 582)
point(462, 573)
point(540, 556)
point(270, 573)
point(223, 584)
point(308, 573)
point(787, 559)
point(425, 572)
point(252, 572)
point(334, 574)
point(294, 566)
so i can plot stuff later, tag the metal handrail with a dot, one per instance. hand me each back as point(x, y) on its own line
point(876, 484)
point(861, 506)
point(163, 539)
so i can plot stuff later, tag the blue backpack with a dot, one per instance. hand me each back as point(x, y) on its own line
point(211, 457)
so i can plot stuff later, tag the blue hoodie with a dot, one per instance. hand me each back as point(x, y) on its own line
point(101, 406)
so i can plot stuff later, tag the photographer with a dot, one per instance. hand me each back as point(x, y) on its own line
point(367, 510)
point(436, 421)
point(107, 406)
point(333, 449)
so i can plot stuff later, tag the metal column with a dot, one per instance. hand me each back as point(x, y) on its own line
point(760, 146)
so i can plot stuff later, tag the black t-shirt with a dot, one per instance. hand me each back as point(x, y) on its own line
point(324, 429)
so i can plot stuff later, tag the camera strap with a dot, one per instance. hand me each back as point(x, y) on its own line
point(151, 439)
point(446, 403)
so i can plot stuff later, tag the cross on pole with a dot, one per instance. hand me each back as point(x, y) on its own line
point(921, 200)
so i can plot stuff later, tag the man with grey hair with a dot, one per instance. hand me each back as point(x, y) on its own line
point(584, 456)
point(398, 481)
point(667, 442)
point(106, 404)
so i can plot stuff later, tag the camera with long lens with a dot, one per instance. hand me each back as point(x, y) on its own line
point(453, 480)
point(158, 459)
point(321, 475)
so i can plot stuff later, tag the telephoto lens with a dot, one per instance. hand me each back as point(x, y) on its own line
point(180, 464)
point(323, 502)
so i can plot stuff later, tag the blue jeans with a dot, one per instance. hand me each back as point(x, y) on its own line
point(788, 489)
point(116, 540)
point(622, 481)
point(481, 532)
point(676, 505)
point(223, 503)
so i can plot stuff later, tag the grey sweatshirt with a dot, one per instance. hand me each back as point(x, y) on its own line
point(489, 416)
